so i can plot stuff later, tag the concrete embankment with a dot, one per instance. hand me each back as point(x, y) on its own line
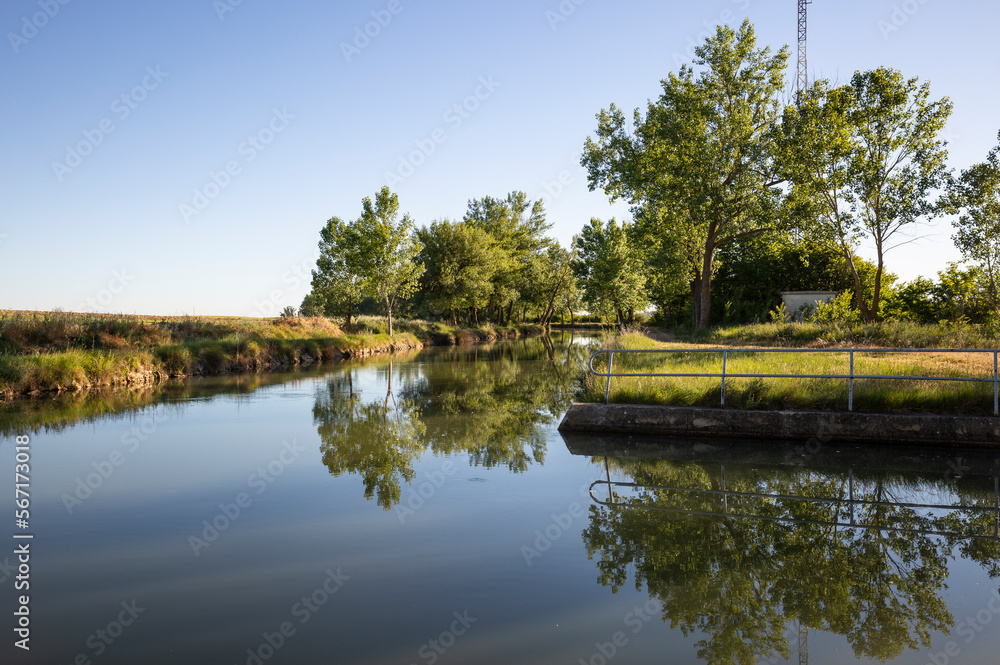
point(937, 430)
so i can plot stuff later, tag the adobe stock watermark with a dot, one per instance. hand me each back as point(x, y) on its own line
point(130, 442)
point(800, 454)
point(562, 12)
point(431, 650)
point(693, 42)
point(117, 284)
point(304, 609)
point(364, 35)
point(229, 513)
point(424, 491)
point(454, 117)
point(101, 640)
point(300, 273)
point(636, 619)
point(121, 108)
point(550, 190)
point(223, 7)
point(900, 16)
point(969, 628)
point(30, 25)
point(248, 149)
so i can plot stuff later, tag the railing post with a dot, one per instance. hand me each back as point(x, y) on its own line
point(725, 357)
point(996, 386)
point(607, 387)
point(850, 386)
point(850, 490)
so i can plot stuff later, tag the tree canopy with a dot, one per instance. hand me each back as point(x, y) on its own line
point(701, 162)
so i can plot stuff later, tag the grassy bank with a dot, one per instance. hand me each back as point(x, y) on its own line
point(62, 351)
point(875, 396)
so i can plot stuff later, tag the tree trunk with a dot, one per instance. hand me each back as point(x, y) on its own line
point(873, 311)
point(388, 310)
point(859, 294)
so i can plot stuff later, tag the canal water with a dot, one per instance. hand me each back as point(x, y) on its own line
point(424, 509)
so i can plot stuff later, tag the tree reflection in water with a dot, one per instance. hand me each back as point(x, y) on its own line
point(742, 582)
point(488, 402)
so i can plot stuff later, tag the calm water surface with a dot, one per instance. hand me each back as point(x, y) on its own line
point(426, 510)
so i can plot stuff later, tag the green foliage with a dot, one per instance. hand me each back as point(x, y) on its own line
point(373, 256)
point(461, 263)
point(517, 227)
point(865, 159)
point(913, 301)
point(780, 314)
point(312, 305)
point(699, 168)
point(387, 249)
point(609, 270)
point(838, 310)
point(977, 193)
point(338, 280)
point(752, 274)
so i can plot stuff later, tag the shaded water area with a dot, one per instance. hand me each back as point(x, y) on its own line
point(424, 509)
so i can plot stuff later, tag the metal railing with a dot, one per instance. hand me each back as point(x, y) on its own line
point(850, 377)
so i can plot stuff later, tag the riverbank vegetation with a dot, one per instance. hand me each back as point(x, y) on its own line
point(62, 351)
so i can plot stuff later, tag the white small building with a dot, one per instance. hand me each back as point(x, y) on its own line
point(796, 302)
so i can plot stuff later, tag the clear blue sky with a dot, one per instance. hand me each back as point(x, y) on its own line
point(106, 229)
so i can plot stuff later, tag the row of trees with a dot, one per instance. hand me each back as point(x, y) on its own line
point(719, 165)
point(495, 265)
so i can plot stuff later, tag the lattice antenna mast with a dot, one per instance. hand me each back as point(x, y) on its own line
point(803, 72)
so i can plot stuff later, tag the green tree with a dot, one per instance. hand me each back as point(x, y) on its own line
point(753, 272)
point(312, 305)
point(914, 301)
point(868, 157)
point(556, 282)
point(609, 270)
point(337, 281)
point(386, 251)
point(460, 263)
point(518, 227)
point(958, 294)
point(978, 228)
point(701, 163)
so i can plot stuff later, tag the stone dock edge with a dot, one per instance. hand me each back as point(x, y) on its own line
point(836, 426)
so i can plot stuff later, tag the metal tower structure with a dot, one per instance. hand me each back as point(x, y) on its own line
point(803, 644)
point(803, 76)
